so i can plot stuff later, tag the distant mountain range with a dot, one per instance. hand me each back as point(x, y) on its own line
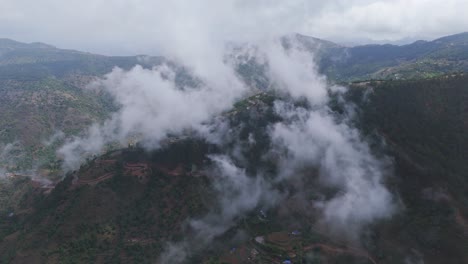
point(421, 59)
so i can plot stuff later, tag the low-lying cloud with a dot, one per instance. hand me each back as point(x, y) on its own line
point(237, 194)
point(152, 105)
point(10, 155)
point(313, 139)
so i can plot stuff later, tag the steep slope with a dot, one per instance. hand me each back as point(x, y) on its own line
point(425, 119)
point(424, 124)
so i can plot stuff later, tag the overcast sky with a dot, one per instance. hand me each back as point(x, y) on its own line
point(138, 26)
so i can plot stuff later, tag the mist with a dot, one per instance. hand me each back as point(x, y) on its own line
point(152, 106)
point(313, 139)
point(237, 194)
point(10, 154)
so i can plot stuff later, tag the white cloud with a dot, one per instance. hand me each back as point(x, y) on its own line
point(151, 106)
point(315, 140)
point(392, 20)
point(140, 26)
point(195, 35)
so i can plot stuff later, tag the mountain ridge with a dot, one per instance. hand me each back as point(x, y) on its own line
point(386, 61)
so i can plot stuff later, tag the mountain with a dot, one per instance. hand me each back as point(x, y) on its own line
point(421, 59)
point(29, 62)
point(124, 206)
point(132, 205)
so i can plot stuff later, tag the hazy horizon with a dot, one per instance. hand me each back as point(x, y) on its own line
point(361, 42)
point(137, 27)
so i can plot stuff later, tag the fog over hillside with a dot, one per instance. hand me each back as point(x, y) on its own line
point(152, 106)
point(233, 131)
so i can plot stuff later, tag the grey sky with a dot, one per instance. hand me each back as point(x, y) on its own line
point(138, 26)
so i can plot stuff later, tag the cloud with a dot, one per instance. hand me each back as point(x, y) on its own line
point(140, 26)
point(10, 155)
point(202, 37)
point(151, 106)
point(314, 139)
point(391, 20)
point(238, 194)
point(54, 138)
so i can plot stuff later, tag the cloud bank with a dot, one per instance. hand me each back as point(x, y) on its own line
point(313, 139)
point(202, 37)
point(138, 26)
